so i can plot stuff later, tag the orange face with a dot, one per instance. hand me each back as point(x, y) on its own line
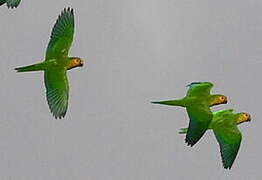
point(243, 117)
point(75, 62)
point(219, 99)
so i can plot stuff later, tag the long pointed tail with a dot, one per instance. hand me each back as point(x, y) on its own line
point(170, 103)
point(183, 131)
point(34, 67)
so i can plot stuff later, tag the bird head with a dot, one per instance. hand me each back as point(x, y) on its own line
point(218, 99)
point(243, 117)
point(75, 62)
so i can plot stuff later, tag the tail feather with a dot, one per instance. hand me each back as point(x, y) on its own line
point(170, 103)
point(34, 67)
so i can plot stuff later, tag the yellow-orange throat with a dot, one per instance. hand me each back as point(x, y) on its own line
point(219, 99)
point(243, 117)
point(75, 62)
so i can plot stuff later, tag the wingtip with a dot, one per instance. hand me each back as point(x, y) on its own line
point(228, 167)
point(59, 117)
point(199, 82)
point(11, 7)
point(189, 143)
point(192, 83)
point(68, 9)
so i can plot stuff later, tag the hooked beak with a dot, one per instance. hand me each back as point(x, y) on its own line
point(81, 63)
point(225, 101)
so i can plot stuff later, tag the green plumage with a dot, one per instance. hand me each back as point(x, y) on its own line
point(10, 3)
point(57, 91)
point(56, 83)
point(228, 136)
point(57, 63)
point(61, 36)
point(224, 125)
point(197, 102)
point(38, 67)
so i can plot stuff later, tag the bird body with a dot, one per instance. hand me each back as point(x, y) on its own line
point(67, 64)
point(57, 63)
point(197, 103)
point(224, 125)
point(10, 3)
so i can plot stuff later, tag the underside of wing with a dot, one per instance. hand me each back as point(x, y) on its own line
point(199, 89)
point(200, 118)
point(229, 139)
point(57, 91)
point(61, 36)
point(12, 3)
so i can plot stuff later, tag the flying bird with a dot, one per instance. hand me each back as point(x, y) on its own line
point(57, 63)
point(10, 3)
point(197, 102)
point(224, 125)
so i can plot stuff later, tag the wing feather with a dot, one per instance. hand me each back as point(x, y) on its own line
point(57, 91)
point(229, 139)
point(200, 117)
point(61, 36)
point(12, 3)
point(199, 89)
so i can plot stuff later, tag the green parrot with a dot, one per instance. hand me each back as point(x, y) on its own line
point(224, 125)
point(10, 3)
point(197, 102)
point(57, 63)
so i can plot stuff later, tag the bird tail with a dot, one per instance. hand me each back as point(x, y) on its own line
point(170, 103)
point(183, 130)
point(2, 2)
point(34, 67)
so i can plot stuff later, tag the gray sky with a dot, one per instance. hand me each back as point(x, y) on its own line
point(136, 51)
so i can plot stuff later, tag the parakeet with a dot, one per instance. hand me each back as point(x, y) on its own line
point(197, 102)
point(224, 125)
point(10, 3)
point(57, 63)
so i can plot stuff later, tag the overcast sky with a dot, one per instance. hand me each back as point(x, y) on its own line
point(135, 51)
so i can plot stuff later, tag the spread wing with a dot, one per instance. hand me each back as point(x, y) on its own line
point(61, 36)
point(200, 117)
point(199, 89)
point(57, 91)
point(229, 139)
point(12, 3)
